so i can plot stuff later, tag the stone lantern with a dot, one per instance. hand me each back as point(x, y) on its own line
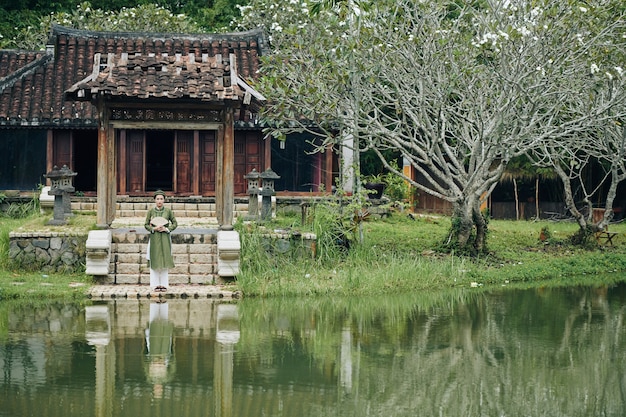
point(252, 178)
point(61, 187)
point(267, 191)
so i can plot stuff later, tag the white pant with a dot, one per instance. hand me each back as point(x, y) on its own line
point(159, 278)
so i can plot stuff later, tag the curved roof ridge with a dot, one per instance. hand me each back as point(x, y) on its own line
point(26, 70)
point(256, 33)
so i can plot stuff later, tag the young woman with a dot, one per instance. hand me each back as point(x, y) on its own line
point(160, 222)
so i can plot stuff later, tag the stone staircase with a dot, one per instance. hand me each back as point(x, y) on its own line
point(194, 250)
point(118, 255)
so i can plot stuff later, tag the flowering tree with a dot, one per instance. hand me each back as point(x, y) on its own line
point(143, 18)
point(601, 39)
point(458, 88)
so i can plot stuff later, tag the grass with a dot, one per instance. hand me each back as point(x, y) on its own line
point(398, 255)
point(18, 284)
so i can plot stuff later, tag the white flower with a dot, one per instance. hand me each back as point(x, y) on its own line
point(608, 75)
point(594, 68)
point(619, 70)
point(583, 9)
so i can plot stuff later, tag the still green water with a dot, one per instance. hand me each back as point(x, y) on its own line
point(550, 352)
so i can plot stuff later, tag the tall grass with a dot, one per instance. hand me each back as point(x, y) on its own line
point(399, 254)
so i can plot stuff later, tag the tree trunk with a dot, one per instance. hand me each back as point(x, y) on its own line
point(516, 199)
point(468, 231)
point(537, 214)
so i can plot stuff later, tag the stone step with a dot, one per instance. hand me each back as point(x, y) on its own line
point(181, 209)
point(194, 250)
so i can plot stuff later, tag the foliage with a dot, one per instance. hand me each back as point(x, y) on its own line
point(458, 88)
point(399, 254)
point(27, 26)
point(18, 210)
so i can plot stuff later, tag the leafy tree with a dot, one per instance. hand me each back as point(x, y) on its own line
point(598, 32)
point(25, 24)
point(460, 89)
point(147, 18)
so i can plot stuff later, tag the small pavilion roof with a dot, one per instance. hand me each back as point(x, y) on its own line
point(163, 77)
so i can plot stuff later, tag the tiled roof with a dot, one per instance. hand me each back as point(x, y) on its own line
point(165, 76)
point(32, 84)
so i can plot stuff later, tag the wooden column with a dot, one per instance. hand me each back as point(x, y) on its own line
point(228, 170)
point(196, 177)
point(49, 153)
point(122, 161)
point(219, 181)
point(103, 164)
point(328, 180)
point(111, 172)
point(267, 148)
point(105, 184)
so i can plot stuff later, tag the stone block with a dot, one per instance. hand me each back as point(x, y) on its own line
point(179, 248)
point(178, 278)
point(201, 258)
point(181, 258)
point(206, 213)
point(202, 248)
point(129, 248)
point(201, 269)
point(125, 269)
point(228, 253)
point(105, 279)
point(202, 279)
point(46, 200)
point(180, 269)
point(98, 252)
point(127, 207)
point(127, 279)
point(127, 258)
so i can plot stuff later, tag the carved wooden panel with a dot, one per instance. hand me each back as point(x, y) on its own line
point(135, 154)
point(248, 155)
point(207, 163)
point(184, 161)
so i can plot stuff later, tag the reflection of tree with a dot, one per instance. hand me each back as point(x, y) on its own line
point(510, 353)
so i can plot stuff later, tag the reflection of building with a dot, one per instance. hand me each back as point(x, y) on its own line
point(208, 333)
point(97, 325)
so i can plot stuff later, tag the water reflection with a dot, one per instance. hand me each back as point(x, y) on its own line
point(552, 352)
point(159, 339)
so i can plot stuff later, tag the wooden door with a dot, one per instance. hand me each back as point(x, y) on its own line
point(135, 154)
point(62, 149)
point(248, 155)
point(207, 163)
point(184, 162)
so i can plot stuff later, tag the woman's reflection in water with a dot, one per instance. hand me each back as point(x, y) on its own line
point(159, 341)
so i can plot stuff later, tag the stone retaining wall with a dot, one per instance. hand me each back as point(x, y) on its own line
point(48, 252)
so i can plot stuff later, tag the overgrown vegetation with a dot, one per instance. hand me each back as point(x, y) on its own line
point(17, 283)
point(401, 253)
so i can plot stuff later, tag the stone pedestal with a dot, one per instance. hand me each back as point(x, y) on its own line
point(98, 252)
point(228, 253)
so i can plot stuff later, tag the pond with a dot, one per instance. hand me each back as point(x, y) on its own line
point(540, 352)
